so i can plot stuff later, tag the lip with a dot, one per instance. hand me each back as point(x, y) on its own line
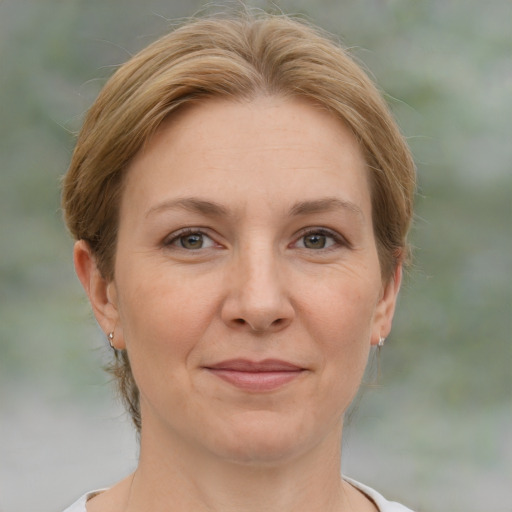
point(256, 376)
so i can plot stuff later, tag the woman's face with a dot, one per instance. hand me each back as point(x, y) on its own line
point(247, 285)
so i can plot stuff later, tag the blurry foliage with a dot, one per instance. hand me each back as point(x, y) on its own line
point(447, 71)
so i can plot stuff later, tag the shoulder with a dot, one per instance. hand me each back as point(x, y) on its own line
point(79, 505)
point(382, 503)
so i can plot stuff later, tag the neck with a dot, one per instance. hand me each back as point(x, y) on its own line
point(201, 482)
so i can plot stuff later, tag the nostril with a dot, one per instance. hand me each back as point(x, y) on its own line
point(257, 320)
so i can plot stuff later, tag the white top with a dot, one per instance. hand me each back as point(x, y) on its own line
point(382, 504)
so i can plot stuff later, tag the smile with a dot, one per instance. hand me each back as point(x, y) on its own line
point(267, 375)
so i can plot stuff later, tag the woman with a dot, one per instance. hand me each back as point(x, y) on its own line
point(240, 197)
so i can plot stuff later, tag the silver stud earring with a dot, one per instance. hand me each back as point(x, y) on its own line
point(381, 341)
point(110, 338)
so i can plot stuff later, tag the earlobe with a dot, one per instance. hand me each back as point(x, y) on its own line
point(98, 289)
point(386, 307)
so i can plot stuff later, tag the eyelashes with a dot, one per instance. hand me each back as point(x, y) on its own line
point(190, 239)
point(314, 239)
point(317, 239)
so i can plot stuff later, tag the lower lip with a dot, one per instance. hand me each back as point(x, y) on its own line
point(257, 381)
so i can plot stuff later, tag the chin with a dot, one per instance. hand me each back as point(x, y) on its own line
point(264, 439)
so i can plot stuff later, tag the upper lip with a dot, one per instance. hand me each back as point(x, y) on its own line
point(246, 365)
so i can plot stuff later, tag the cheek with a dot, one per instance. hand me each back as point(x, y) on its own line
point(340, 319)
point(161, 329)
point(163, 316)
point(342, 309)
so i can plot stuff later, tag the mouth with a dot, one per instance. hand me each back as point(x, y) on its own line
point(256, 376)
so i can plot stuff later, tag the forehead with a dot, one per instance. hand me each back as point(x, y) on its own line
point(270, 147)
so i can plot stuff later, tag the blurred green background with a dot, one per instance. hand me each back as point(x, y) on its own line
point(436, 430)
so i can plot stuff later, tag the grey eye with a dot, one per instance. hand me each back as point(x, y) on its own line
point(190, 240)
point(315, 241)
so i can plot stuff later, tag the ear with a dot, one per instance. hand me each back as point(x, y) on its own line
point(101, 293)
point(385, 309)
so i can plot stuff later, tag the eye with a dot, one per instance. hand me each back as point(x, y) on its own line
point(191, 240)
point(319, 239)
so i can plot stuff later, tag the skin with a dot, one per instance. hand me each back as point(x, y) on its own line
point(279, 262)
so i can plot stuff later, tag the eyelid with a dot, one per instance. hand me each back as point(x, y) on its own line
point(169, 240)
point(340, 240)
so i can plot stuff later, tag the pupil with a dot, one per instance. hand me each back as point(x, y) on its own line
point(315, 241)
point(192, 241)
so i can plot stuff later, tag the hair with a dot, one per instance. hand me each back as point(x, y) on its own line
point(233, 57)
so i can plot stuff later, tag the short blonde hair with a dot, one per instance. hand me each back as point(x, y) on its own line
point(235, 57)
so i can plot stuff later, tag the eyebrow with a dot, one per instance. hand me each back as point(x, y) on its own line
point(325, 204)
point(211, 208)
point(191, 204)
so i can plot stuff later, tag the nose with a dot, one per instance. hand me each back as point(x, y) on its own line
point(258, 298)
